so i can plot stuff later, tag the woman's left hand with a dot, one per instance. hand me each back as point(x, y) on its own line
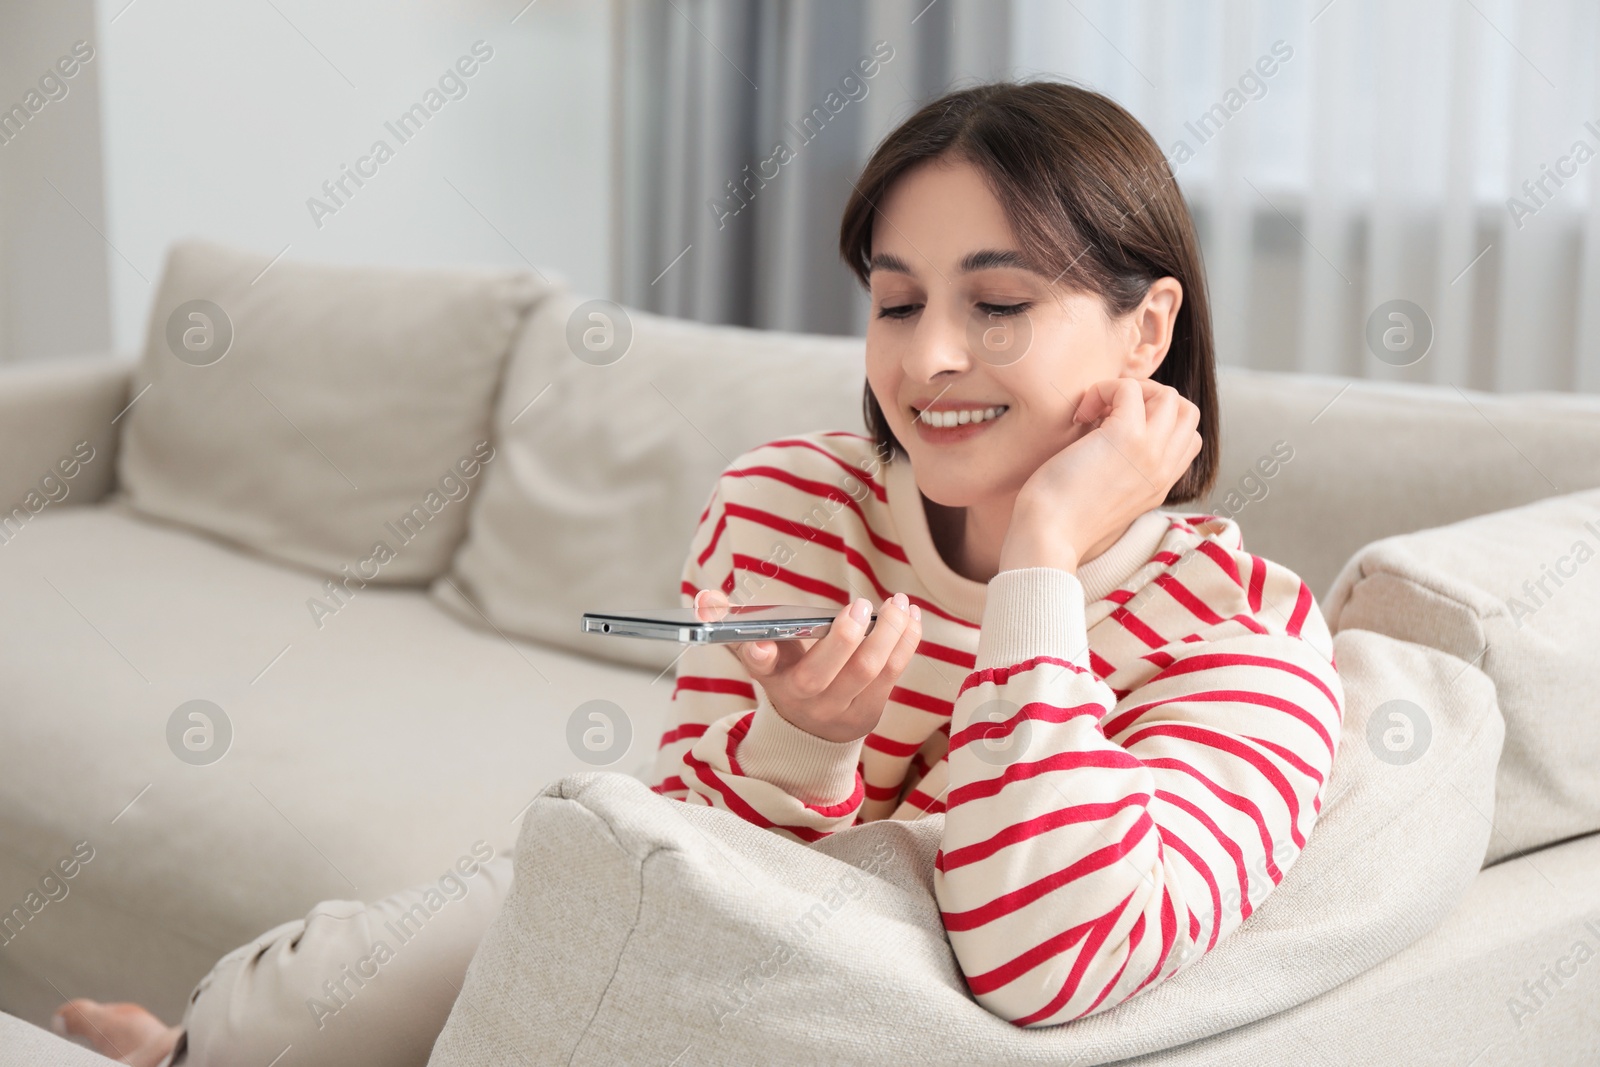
point(1092, 489)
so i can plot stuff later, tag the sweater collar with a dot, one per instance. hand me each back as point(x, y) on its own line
point(965, 597)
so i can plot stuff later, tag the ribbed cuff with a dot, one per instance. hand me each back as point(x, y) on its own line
point(1029, 612)
point(812, 769)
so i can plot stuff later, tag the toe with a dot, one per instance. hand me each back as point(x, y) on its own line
point(72, 1018)
point(111, 1029)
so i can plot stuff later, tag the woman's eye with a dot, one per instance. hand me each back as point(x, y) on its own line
point(899, 311)
point(1002, 310)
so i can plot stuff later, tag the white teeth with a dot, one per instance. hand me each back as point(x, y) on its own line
point(945, 419)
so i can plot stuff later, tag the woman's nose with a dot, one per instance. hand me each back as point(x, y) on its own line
point(940, 343)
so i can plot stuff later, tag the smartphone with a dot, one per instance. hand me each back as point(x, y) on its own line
point(744, 622)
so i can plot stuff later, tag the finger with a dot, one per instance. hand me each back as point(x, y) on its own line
point(1117, 400)
point(1161, 412)
point(1128, 401)
point(1095, 402)
point(710, 605)
point(1163, 436)
point(763, 659)
point(1191, 414)
point(1120, 399)
point(1148, 389)
point(1087, 406)
point(1101, 397)
point(869, 659)
point(1156, 394)
point(755, 664)
point(876, 693)
point(758, 657)
point(816, 671)
point(1187, 427)
point(1173, 422)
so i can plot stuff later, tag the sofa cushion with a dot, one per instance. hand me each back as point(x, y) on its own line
point(21, 1044)
point(364, 756)
point(639, 928)
point(1515, 592)
point(1504, 979)
point(312, 412)
point(606, 462)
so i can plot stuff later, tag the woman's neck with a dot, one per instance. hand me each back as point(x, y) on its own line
point(969, 539)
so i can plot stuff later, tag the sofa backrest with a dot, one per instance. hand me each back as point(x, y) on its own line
point(1370, 459)
point(607, 472)
point(319, 381)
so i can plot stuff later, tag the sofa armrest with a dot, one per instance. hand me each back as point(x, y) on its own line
point(59, 431)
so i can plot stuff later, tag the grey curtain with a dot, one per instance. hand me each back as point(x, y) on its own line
point(740, 127)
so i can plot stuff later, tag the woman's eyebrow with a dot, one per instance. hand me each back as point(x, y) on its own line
point(990, 258)
point(987, 259)
point(885, 261)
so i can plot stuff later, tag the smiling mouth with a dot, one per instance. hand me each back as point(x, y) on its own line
point(949, 420)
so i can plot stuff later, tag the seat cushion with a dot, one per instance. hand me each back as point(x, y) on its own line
point(22, 1044)
point(1515, 592)
point(1509, 977)
point(314, 412)
point(365, 755)
point(659, 926)
point(607, 461)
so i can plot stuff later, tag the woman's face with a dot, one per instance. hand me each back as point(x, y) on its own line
point(961, 322)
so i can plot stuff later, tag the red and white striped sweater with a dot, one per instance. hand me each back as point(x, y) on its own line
point(1127, 759)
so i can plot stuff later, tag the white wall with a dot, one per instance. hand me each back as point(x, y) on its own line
point(222, 117)
point(52, 259)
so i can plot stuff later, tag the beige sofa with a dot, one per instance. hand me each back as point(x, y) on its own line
point(187, 524)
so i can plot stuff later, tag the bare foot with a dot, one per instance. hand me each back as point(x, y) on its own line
point(125, 1032)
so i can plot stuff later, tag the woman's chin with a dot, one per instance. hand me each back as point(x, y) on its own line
point(950, 489)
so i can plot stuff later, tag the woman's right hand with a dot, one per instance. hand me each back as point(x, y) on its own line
point(834, 686)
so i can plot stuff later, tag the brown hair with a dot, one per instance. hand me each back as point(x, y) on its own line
point(1088, 194)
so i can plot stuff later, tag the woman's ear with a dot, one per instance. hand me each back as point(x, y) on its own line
point(1151, 325)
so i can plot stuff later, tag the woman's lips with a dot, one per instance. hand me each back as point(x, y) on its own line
point(942, 435)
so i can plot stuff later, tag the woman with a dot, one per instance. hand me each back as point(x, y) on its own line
point(1125, 718)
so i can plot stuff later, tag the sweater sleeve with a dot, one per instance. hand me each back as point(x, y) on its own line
point(728, 746)
point(1093, 846)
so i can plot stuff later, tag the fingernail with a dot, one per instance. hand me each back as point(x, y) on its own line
point(916, 613)
point(861, 610)
point(58, 1023)
point(900, 601)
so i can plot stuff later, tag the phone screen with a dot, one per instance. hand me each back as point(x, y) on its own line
point(741, 622)
point(747, 612)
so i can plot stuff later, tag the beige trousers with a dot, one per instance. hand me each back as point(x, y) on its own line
point(350, 984)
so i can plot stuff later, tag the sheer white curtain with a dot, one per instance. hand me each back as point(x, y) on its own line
point(713, 224)
point(1384, 158)
point(1338, 155)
